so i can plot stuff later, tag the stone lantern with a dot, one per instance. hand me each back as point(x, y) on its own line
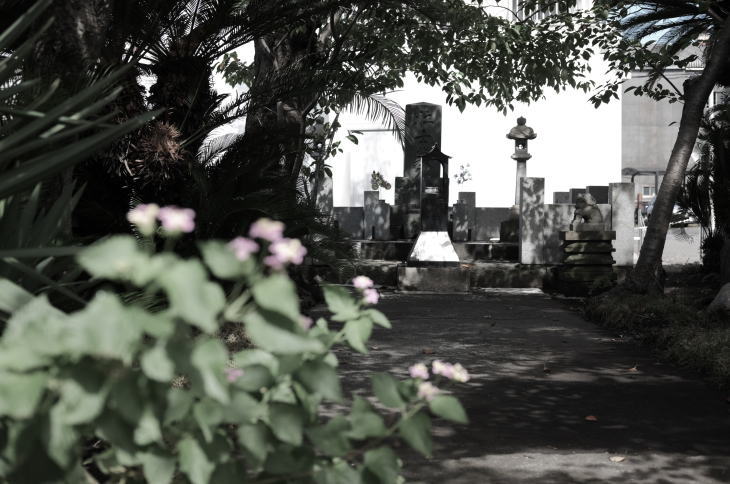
point(521, 134)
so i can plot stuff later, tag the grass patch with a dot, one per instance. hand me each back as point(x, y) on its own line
point(676, 325)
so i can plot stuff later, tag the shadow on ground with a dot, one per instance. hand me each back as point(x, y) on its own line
point(538, 370)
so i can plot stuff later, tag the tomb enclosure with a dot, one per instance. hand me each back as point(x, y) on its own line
point(526, 240)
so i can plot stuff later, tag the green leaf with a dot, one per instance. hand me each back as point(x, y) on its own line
point(243, 408)
point(383, 463)
point(32, 336)
point(448, 407)
point(385, 388)
point(331, 438)
point(210, 358)
point(319, 377)
point(208, 414)
point(157, 365)
point(277, 340)
point(158, 467)
point(254, 378)
point(222, 262)
point(60, 439)
point(338, 472)
point(12, 296)
point(179, 402)
point(416, 430)
point(378, 318)
point(192, 296)
point(341, 303)
point(148, 428)
point(194, 463)
point(21, 393)
point(287, 423)
point(277, 293)
point(116, 258)
point(105, 329)
point(255, 438)
point(365, 422)
point(358, 332)
point(83, 393)
point(251, 357)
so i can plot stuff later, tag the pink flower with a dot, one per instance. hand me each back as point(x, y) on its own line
point(243, 247)
point(267, 229)
point(176, 220)
point(427, 391)
point(305, 322)
point(460, 374)
point(418, 370)
point(233, 374)
point(444, 369)
point(144, 217)
point(362, 282)
point(370, 296)
point(285, 251)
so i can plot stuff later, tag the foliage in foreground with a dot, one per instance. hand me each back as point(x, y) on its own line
point(117, 392)
point(676, 325)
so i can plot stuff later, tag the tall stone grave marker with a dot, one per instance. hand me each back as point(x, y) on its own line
point(423, 131)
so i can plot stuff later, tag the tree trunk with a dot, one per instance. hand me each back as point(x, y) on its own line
point(645, 278)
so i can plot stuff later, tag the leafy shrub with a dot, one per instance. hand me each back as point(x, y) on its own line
point(117, 392)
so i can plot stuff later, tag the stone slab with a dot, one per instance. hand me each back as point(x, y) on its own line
point(588, 247)
point(597, 235)
point(588, 259)
point(599, 192)
point(561, 197)
point(433, 279)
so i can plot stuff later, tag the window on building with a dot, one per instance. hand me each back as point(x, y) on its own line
point(649, 191)
point(718, 97)
point(537, 12)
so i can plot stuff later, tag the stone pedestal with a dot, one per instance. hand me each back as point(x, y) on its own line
point(434, 279)
point(587, 262)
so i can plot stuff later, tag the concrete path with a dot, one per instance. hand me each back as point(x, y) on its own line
point(538, 370)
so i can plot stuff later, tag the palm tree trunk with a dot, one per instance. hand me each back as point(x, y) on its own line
point(645, 278)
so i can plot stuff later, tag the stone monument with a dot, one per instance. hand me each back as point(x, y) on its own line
point(422, 133)
point(521, 134)
point(433, 264)
point(587, 251)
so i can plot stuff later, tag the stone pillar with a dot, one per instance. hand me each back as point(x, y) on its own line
point(521, 173)
point(460, 232)
point(561, 197)
point(371, 202)
point(470, 199)
point(382, 221)
point(622, 222)
point(532, 219)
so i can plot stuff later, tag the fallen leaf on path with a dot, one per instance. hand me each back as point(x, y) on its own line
point(633, 369)
point(376, 348)
point(592, 418)
point(545, 369)
point(427, 351)
point(617, 458)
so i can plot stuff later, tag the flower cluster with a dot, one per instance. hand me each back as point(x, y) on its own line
point(174, 220)
point(282, 251)
point(454, 372)
point(426, 390)
point(365, 285)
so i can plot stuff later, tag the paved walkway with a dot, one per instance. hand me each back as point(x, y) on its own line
point(538, 371)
